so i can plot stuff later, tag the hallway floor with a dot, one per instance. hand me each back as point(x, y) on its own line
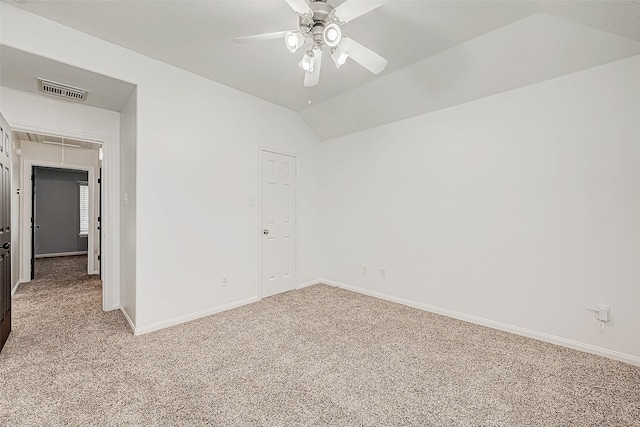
point(68, 269)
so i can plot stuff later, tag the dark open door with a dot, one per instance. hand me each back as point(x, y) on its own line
point(33, 222)
point(5, 232)
point(100, 223)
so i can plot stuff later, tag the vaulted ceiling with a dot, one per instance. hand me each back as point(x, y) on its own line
point(441, 53)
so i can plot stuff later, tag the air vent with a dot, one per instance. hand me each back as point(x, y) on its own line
point(62, 90)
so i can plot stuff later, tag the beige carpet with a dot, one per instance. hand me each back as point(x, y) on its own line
point(316, 357)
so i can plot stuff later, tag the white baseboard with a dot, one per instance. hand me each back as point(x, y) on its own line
point(192, 316)
point(576, 345)
point(61, 254)
point(307, 284)
point(126, 316)
point(15, 288)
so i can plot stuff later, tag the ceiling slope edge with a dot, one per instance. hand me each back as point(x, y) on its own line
point(529, 51)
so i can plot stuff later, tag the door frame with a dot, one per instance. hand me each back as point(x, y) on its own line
point(110, 258)
point(261, 150)
point(28, 167)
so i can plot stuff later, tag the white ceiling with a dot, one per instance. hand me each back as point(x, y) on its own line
point(198, 36)
point(534, 49)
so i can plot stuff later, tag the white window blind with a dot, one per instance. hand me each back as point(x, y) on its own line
point(84, 208)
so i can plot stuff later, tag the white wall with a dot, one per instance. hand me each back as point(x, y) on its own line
point(196, 167)
point(128, 137)
point(48, 115)
point(521, 208)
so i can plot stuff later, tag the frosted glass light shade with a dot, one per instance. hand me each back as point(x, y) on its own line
point(307, 62)
point(293, 40)
point(339, 57)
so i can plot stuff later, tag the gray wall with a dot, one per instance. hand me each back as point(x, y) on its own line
point(58, 211)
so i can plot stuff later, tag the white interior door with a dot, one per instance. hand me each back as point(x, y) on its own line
point(278, 223)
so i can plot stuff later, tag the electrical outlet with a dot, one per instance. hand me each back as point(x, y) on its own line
point(364, 268)
point(602, 312)
point(383, 272)
point(225, 280)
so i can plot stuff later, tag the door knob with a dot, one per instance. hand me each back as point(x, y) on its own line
point(265, 231)
point(6, 246)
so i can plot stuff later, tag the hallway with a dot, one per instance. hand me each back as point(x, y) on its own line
point(49, 361)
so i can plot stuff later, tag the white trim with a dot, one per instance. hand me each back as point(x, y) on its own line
point(261, 149)
point(329, 283)
point(311, 283)
point(27, 200)
point(126, 316)
point(15, 288)
point(62, 254)
point(564, 342)
point(109, 308)
point(35, 128)
point(278, 151)
point(259, 223)
point(110, 256)
point(192, 316)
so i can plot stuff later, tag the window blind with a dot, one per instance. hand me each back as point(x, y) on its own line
point(84, 208)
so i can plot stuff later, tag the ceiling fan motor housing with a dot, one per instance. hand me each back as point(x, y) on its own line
point(313, 26)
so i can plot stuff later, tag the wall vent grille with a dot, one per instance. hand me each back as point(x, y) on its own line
point(61, 90)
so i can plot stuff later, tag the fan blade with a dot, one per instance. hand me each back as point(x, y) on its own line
point(362, 55)
point(351, 9)
point(313, 78)
point(300, 6)
point(260, 37)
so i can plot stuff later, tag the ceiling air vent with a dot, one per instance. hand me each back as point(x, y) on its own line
point(62, 90)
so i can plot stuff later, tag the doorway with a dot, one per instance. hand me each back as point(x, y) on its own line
point(278, 219)
point(60, 213)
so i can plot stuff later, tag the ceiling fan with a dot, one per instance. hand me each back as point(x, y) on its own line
point(320, 25)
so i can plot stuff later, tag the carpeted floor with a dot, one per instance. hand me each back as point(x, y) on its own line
point(61, 271)
point(319, 356)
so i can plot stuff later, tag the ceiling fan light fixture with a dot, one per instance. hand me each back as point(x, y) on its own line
point(307, 61)
point(319, 25)
point(293, 40)
point(332, 34)
point(339, 57)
